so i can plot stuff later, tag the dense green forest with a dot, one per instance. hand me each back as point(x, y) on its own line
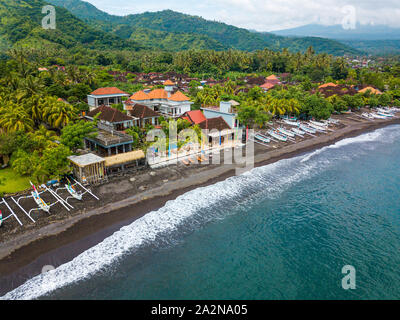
point(171, 30)
point(375, 47)
point(21, 26)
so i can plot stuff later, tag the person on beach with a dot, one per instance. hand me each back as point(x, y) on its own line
point(1, 219)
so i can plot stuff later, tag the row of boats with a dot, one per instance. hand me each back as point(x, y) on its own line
point(381, 113)
point(296, 129)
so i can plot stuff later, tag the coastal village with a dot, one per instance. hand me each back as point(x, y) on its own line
point(110, 152)
point(125, 134)
point(117, 138)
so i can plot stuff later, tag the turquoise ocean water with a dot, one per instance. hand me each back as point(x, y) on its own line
point(283, 231)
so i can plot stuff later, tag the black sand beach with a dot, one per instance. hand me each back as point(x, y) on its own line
point(57, 239)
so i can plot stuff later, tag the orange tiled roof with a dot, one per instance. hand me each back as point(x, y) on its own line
point(178, 96)
point(140, 95)
point(272, 77)
point(168, 83)
point(329, 84)
point(108, 90)
point(373, 90)
point(158, 94)
point(267, 85)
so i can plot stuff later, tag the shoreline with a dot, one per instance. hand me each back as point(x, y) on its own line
point(59, 242)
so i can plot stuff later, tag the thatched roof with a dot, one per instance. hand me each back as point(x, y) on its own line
point(124, 158)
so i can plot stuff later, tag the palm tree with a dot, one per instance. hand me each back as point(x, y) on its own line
point(57, 113)
point(14, 118)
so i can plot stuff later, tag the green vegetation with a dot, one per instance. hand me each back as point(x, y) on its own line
point(11, 182)
point(21, 26)
point(375, 47)
point(170, 30)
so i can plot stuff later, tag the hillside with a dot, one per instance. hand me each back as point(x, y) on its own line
point(361, 32)
point(371, 39)
point(172, 30)
point(375, 47)
point(21, 26)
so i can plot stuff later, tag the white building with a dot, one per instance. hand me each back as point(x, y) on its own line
point(163, 101)
point(226, 110)
point(105, 97)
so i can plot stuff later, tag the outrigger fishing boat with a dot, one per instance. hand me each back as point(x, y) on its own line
point(385, 114)
point(367, 115)
point(333, 121)
point(298, 132)
point(378, 116)
point(386, 110)
point(286, 133)
point(317, 127)
point(320, 124)
point(276, 135)
point(262, 138)
point(291, 122)
point(307, 129)
point(39, 201)
point(72, 191)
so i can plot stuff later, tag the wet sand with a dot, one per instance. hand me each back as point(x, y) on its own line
point(59, 238)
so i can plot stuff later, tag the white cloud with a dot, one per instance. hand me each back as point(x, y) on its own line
point(266, 15)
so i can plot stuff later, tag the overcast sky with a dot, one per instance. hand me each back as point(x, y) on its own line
point(268, 15)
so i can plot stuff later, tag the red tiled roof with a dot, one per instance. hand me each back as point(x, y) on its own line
point(106, 91)
point(178, 96)
point(195, 116)
point(109, 114)
point(185, 118)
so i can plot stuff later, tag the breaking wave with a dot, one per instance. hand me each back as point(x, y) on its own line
point(196, 208)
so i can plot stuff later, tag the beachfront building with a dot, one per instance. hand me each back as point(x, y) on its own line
point(88, 168)
point(110, 139)
point(112, 118)
point(108, 142)
point(218, 132)
point(226, 110)
point(141, 114)
point(105, 96)
point(163, 101)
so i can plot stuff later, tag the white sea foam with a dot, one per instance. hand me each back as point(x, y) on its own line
point(269, 181)
point(376, 135)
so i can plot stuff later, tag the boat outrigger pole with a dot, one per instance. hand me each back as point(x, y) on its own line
point(39, 201)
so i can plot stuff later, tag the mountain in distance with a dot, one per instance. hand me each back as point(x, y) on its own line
point(372, 39)
point(22, 26)
point(337, 32)
point(172, 30)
